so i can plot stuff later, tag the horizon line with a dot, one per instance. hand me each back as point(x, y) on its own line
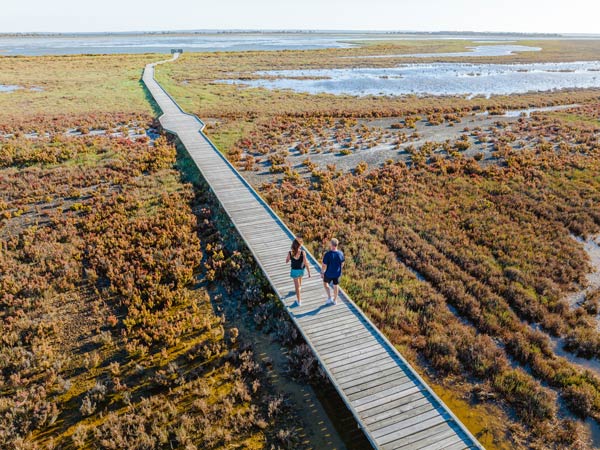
point(293, 30)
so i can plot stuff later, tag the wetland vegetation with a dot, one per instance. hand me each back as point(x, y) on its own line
point(459, 232)
point(117, 280)
point(124, 303)
point(112, 272)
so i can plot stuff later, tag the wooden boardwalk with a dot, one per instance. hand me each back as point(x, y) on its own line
point(391, 403)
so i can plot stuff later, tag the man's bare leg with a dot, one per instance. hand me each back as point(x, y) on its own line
point(335, 293)
point(326, 286)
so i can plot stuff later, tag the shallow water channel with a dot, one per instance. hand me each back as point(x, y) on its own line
point(437, 79)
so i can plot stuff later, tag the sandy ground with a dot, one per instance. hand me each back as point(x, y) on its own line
point(592, 247)
point(377, 155)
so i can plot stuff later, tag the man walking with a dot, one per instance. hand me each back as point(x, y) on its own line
point(331, 270)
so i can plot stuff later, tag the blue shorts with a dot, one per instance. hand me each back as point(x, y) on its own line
point(297, 273)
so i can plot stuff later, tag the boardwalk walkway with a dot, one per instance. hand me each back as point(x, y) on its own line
point(391, 403)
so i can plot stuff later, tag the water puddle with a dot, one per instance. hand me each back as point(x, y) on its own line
point(528, 111)
point(594, 429)
point(9, 87)
point(14, 87)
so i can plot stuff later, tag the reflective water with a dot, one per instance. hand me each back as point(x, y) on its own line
point(482, 50)
point(212, 40)
point(9, 87)
point(436, 79)
point(161, 43)
point(528, 111)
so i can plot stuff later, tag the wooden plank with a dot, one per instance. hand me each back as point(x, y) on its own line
point(273, 233)
point(359, 368)
point(333, 336)
point(359, 359)
point(383, 399)
point(267, 248)
point(344, 342)
point(252, 221)
point(236, 192)
point(416, 410)
point(324, 316)
point(385, 409)
point(361, 348)
point(281, 270)
point(396, 377)
point(318, 307)
point(461, 445)
point(241, 204)
point(334, 332)
point(406, 438)
point(425, 420)
point(331, 333)
point(336, 339)
point(421, 439)
point(380, 392)
point(318, 318)
point(453, 441)
point(392, 412)
point(351, 346)
point(333, 324)
point(352, 376)
point(341, 306)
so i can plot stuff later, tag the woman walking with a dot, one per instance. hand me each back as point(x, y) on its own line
point(297, 256)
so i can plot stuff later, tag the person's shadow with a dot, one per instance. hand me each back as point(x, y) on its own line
point(310, 313)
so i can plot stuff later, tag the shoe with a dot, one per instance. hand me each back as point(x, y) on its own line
point(330, 301)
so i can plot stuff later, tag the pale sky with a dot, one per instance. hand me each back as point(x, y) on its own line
point(544, 16)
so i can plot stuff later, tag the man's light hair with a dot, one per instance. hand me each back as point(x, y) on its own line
point(334, 242)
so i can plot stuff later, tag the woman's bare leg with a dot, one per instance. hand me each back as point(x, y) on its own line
point(297, 287)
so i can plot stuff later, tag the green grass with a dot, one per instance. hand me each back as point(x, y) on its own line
point(227, 134)
point(88, 159)
point(74, 84)
point(575, 118)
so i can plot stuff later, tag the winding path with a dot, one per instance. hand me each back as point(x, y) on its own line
point(394, 407)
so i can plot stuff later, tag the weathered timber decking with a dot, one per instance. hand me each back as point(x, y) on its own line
point(390, 401)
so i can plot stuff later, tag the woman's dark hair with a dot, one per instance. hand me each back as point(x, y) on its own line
point(296, 245)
